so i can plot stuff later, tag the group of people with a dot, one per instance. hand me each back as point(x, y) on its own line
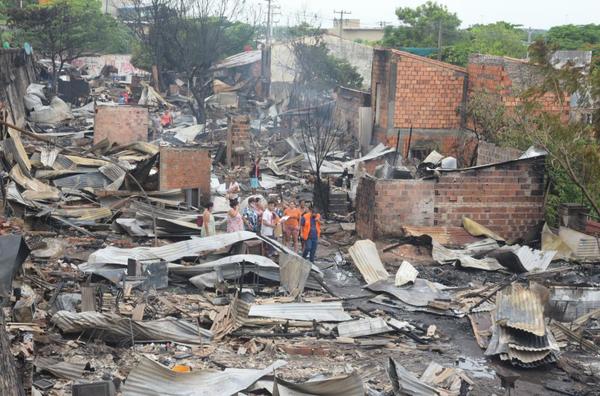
point(294, 225)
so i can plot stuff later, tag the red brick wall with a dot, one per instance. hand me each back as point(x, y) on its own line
point(380, 78)
point(383, 206)
point(121, 124)
point(185, 168)
point(510, 78)
point(507, 198)
point(238, 140)
point(429, 94)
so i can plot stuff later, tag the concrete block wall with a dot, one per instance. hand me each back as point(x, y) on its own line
point(186, 168)
point(508, 198)
point(121, 124)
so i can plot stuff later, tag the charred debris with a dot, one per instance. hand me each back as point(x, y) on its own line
point(108, 285)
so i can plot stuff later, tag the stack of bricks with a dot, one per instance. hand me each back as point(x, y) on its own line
point(429, 94)
point(508, 198)
point(238, 140)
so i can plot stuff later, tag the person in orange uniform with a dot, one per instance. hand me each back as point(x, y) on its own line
point(291, 227)
point(310, 224)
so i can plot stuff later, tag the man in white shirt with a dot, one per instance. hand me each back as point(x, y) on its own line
point(269, 221)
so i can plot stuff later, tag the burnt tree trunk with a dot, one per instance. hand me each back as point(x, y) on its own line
point(9, 380)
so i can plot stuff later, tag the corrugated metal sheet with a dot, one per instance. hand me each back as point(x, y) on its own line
point(294, 272)
point(418, 294)
point(224, 263)
point(345, 385)
point(523, 258)
point(84, 180)
point(169, 253)
point(585, 247)
point(150, 378)
point(406, 383)
point(406, 273)
point(115, 328)
point(366, 258)
point(68, 370)
point(447, 236)
point(520, 308)
point(241, 59)
point(321, 312)
point(363, 327)
point(462, 258)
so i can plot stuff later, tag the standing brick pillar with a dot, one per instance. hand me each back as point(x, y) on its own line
point(238, 141)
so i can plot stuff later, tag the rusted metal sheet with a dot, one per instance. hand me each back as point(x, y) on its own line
point(520, 308)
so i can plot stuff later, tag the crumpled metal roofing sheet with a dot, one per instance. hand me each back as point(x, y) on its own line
point(241, 59)
point(520, 308)
point(406, 383)
point(344, 385)
point(116, 328)
point(363, 327)
point(225, 262)
point(366, 258)
point(321, 312)
point(171, 252)
point(419, 294)
point(68, 370)
point(444, 235)
point(150, 378)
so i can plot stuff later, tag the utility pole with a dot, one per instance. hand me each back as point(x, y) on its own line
point(440, 39)
point(341, 20)
point(269, 22)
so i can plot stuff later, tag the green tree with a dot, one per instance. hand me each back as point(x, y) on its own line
point(423, 26)
point(64, 30)
point(575, 37)
point(189, 37)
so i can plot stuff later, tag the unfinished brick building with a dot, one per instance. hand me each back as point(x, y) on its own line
point(509, 78)
point(506, 197)
point(410, 90)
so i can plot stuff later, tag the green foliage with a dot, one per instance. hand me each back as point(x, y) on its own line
point(67, 29)
point(500, 38)
point(323, 71)
point(420, 27)
point(575, 37)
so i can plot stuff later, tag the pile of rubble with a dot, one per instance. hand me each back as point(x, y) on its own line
point(108, 287)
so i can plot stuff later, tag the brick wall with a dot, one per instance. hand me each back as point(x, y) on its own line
point(429, 94)
point(489, 153)
point(510, 78)
point(185, 168)
point(383, 206)
point(238, 140)
point(121, 124)
point(380, 87)
point(347, 103)
point(507, 198)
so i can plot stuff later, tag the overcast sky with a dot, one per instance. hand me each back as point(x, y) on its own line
point(529, 13)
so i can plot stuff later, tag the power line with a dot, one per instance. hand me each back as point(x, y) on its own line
point(342, 12)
